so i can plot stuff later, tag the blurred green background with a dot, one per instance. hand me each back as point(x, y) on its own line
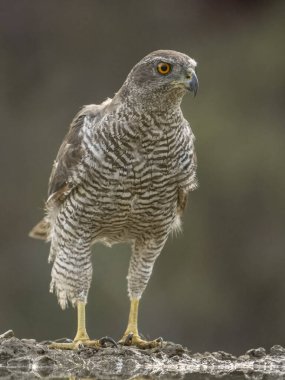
point(220, 284)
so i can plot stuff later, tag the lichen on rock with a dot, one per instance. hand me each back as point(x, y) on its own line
point(23, 357)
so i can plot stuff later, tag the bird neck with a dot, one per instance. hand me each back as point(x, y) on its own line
point(148, 123)
point(163, 100)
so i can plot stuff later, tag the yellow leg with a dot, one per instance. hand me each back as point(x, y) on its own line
point(81, 337)
point(81, 334)
point(133, 318)
point(131, 336)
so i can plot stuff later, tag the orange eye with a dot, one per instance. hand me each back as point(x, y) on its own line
point(163, 68)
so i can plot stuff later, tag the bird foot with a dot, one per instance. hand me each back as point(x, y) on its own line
point(76, 344)
point(131, 339)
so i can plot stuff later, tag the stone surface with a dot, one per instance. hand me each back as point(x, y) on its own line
point(27, 358)
point(256, 352)
point(7, 334)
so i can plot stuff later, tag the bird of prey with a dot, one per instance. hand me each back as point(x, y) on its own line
point(122, 174)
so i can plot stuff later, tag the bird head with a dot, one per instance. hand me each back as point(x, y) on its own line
point(161, 76)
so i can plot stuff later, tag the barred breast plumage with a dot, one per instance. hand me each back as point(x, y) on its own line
point(122, 175)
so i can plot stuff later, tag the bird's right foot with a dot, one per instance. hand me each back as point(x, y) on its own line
point(83, 342)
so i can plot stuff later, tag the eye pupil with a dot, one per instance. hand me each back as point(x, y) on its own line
point(164, 68)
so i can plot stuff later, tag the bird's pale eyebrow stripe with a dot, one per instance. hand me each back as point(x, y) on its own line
point(158, 58)
point(170, 60)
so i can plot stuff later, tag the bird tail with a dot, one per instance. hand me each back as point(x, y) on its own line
point(41, 230)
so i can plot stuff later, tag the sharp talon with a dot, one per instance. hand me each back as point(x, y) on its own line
point(106, 339)
point(159, 340)
point(129, 339)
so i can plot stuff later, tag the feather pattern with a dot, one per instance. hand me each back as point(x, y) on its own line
point(122, 174)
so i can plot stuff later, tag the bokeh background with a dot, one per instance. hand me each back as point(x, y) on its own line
point(220, 284)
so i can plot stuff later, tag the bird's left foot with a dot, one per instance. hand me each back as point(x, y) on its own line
point(76, 344)
point(131, 339)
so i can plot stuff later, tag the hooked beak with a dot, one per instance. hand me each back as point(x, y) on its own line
point(191, 82)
